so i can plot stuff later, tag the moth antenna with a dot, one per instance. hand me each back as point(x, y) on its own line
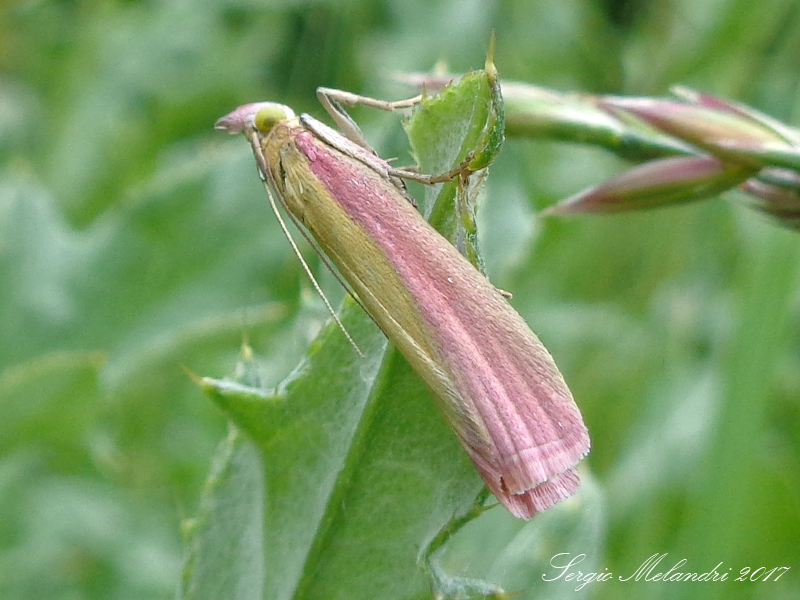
point(262, 171)
point(313, 243)
point(325, 260)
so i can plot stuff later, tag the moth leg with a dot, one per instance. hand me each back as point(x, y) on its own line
point(461, 171)
point(334, 102)
point(350, 99)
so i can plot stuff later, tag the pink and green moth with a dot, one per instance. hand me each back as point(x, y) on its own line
point(493, 380)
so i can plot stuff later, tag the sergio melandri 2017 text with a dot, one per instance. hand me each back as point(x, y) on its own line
point(649, 570)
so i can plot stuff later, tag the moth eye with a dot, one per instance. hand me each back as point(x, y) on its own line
point(267, 117)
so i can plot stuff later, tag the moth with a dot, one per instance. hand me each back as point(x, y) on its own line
point(493, 380)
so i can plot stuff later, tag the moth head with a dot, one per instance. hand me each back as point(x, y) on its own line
point(262, 116)
point(270, 114)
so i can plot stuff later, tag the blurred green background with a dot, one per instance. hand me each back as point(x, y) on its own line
point(134, 239)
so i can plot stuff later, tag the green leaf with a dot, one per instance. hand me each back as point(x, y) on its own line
point(359, 474)
point(226, 537)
